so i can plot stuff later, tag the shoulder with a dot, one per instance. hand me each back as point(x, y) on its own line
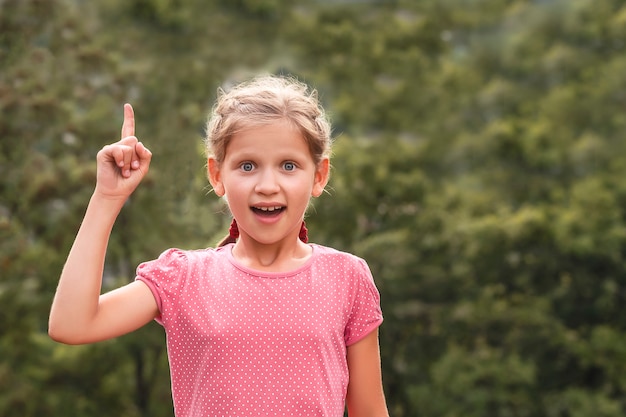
point(196, 254)
point(203, 255)
point(174, 255)
point(326, 252)
point(180, 262)
point(339, 259)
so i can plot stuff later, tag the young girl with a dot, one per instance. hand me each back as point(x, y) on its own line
point(265, 325)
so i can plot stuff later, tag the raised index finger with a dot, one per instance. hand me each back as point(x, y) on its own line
point(128, 127)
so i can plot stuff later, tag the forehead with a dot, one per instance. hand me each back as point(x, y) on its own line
point(280, 137)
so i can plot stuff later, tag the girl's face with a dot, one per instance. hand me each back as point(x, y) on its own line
point(268, 176)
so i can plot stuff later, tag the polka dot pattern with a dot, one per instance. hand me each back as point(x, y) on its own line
point(249, 343)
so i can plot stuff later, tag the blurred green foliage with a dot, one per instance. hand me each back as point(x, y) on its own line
point(478, 167)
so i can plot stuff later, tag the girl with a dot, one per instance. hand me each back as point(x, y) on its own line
point(265, 325)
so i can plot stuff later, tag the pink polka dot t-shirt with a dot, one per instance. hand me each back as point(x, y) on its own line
point(249, 343)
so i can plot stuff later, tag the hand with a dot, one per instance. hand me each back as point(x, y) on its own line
point(122, 165)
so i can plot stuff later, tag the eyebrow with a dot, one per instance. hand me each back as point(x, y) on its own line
point(279, 154)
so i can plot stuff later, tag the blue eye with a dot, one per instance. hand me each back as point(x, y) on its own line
point(289, 166)
point(247, 166)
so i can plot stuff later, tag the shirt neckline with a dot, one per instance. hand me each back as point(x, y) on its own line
point(268, 274)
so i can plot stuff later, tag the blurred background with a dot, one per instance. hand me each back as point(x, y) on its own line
point(478, 167)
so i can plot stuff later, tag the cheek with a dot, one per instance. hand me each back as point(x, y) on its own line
point(238, 187)
point(304, 192)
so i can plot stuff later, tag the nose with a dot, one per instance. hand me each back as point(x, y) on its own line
point(267, 183)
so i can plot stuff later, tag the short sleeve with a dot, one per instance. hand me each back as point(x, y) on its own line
point(366, 314)
point(164, 276)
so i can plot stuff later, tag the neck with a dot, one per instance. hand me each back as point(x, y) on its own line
point(278, 257)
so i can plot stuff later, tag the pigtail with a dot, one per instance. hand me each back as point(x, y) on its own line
point(226, 241)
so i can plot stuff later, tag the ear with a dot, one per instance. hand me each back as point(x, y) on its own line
point(322, 174)
point(215, 176)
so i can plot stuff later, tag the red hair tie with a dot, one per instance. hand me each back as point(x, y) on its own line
point(304, 233)
point(233, 231)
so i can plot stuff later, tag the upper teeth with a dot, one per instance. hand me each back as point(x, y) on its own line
point(269, 208)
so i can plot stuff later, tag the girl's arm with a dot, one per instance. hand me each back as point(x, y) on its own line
point(365, 396)
point(79, 314)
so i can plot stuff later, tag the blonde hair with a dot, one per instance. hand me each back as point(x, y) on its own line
point(264, 100)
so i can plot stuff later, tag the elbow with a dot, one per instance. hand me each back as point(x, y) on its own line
point(66, 340)
point(61, 335)
point(57, 335)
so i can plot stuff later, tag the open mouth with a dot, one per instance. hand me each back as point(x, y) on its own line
point(268, 211)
